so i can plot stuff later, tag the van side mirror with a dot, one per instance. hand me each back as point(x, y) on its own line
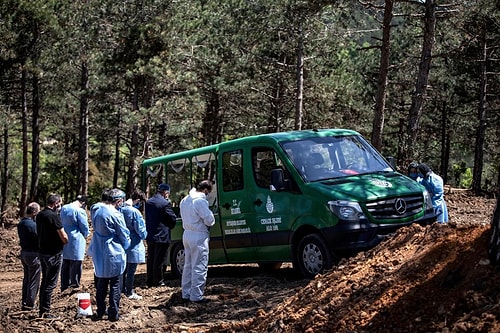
point(392, 161)
point(277, 180)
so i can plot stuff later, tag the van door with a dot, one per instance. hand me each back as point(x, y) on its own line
point(272, 211)
point(235, 206)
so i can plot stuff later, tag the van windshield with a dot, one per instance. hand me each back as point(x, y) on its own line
point(330, 157)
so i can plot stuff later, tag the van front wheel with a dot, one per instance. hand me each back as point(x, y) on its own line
point(313, 256)
point(177, 260)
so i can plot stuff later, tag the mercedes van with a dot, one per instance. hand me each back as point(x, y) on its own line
point(307, 197)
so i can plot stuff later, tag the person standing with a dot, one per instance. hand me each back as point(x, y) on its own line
point(28, 239)
point(107, 248)
point(434, 185)
point(51, 240)
point(136, 253)
point(75, 223)
point(197, 218)
point(160, 218)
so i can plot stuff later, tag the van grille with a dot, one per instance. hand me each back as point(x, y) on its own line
point(395, 208)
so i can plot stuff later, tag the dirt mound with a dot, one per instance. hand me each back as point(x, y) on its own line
point(421, 279)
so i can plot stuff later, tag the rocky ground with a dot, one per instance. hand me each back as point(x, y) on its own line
point(422, 279)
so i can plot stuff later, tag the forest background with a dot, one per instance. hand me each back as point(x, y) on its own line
point(89, 89)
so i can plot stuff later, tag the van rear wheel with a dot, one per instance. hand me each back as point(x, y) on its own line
point(313, 256)
point(177, 260)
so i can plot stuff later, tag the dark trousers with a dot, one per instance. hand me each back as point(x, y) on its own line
point(128, 278)
point(31, 278)
point(154, 263)
point(51, 266)
point(71, 273)
point(114, 285)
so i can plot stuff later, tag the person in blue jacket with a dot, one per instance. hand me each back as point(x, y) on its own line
point(136, 253)
point(160, 218)
point(75, 223)
point(413, 172)
point(107, 248)
point(434, 185)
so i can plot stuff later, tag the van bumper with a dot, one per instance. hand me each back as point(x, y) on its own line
point(361, 235)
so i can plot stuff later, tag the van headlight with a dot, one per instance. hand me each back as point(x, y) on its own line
point(346, 210)
point(427, 201)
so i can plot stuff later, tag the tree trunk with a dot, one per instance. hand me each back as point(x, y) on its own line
point(5, 173)
point(116, 169)
point(24, 126)
point(418, 97)
point(35, 140)
point(300, 82)
point(132, 165)
point(400, 158)
point(378, 118)
point(146, 136)
point(212, 122)
point(83, 133)
point(134, 136)
point(274, 124)
point(445, 146)
point(494, 246)
point(481, 128)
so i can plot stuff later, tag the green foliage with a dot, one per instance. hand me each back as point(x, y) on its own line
point(459, 171)
point(466, 181)
point(188, 73)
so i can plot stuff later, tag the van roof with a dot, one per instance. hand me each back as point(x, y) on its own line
point(267, 137)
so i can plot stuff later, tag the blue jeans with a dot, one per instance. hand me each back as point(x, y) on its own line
point(51, 266)
point(71, 273)
point(31, 278)
point(128, 278)
point(114, 284)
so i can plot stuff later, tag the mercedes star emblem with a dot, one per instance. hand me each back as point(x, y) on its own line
point(400, 206)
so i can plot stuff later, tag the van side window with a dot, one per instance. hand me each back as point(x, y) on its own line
point(178, 177)
point(264, 160)
point(232, 171)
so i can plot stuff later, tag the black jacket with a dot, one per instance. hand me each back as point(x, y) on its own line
point(160, 218)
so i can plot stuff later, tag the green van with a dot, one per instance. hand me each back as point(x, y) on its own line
point(306, 197)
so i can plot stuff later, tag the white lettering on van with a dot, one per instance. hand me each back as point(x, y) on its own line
point(272, 227)
point(381, 183)
point(271, 220)
point(234, 223)
point(269, 205)
point(237, 231)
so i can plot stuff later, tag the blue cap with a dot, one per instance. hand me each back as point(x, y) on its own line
point(163, 187)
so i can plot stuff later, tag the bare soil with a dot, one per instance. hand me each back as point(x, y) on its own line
point(421, 279)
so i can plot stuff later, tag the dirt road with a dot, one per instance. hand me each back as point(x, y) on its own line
point(432, 279)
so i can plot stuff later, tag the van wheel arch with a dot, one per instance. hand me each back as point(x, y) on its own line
point(311, 255)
